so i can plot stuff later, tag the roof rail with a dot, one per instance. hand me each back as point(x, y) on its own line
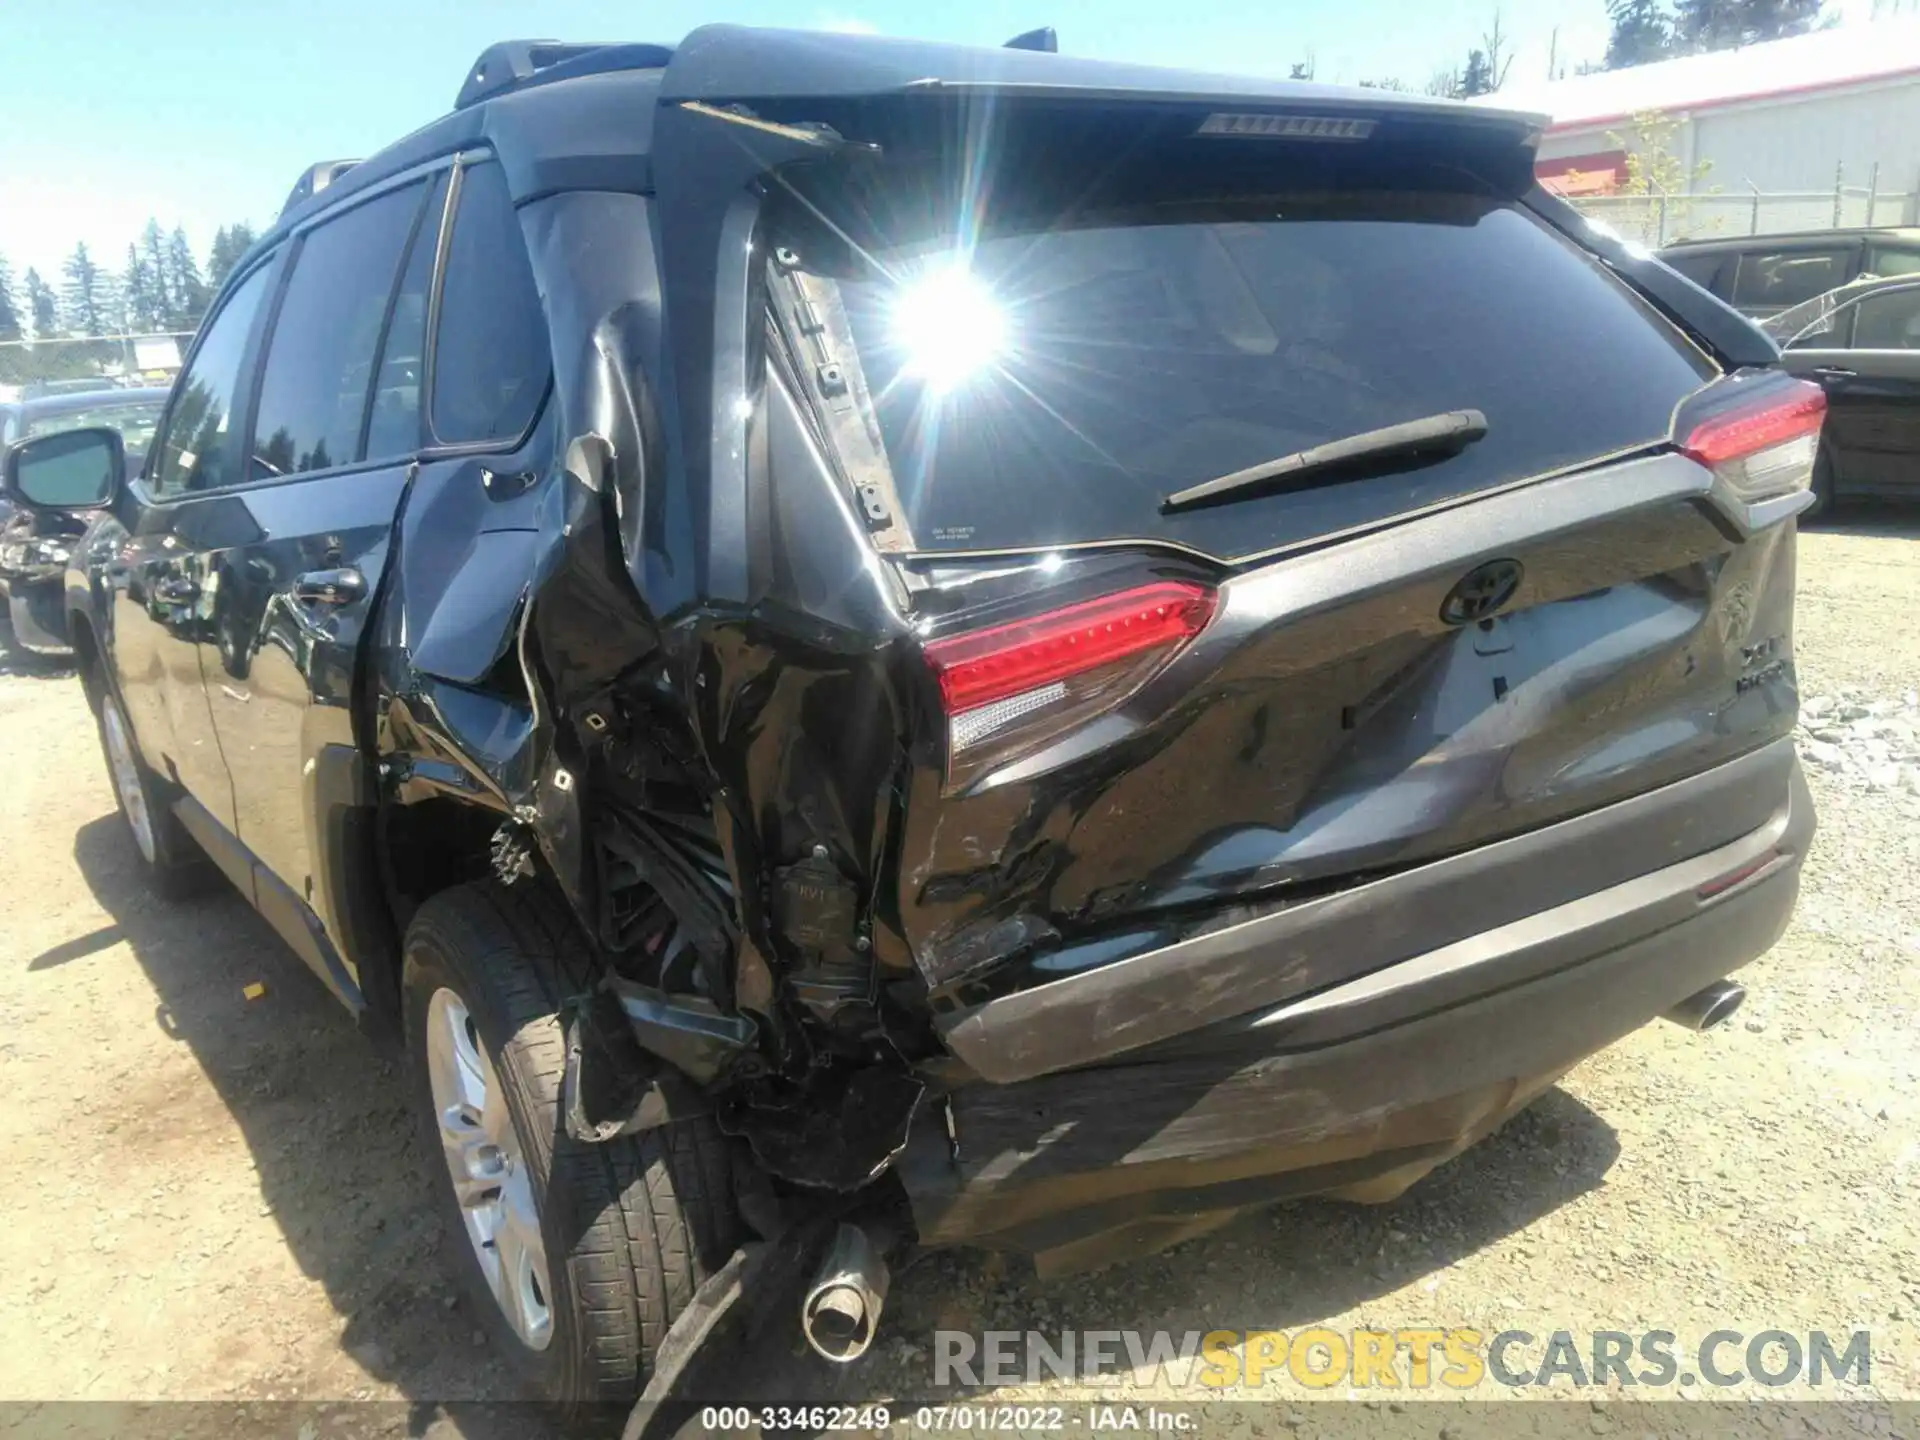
point(315, 179)
point(511, 64)
point(1044, 39)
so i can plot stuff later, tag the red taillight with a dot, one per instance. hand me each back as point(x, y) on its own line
point(1012, 688)
point(1789, 413)
point(983, 666)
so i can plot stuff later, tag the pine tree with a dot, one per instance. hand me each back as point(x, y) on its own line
point(10, 326)
point(1642, 33)
point(84, 296)
point(137, 292)
point(40, 306)
point(229, 244)
point(1701, 25)
point(1477, 78)
point(153, 257)
point(186, 291)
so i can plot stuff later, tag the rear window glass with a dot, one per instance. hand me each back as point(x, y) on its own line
point(1775, 281)
point(1053, 388)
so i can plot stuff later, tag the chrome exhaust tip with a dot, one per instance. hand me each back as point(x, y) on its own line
point(841, 1312)
point(1708, 1007)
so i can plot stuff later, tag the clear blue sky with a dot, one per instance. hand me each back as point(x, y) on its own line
point(200, 112)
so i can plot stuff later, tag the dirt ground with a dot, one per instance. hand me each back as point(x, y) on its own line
point(219, 1198)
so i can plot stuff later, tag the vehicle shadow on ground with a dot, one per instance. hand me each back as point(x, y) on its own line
point(324, 1115)
point(1868, 519)
point(16, 659)
point(1283, 1268)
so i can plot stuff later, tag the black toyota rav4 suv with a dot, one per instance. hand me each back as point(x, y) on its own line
point(866, 644)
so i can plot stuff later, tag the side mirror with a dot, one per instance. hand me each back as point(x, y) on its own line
point(68, 470)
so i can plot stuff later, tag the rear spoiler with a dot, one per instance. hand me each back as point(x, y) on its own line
point(1735, 340)
point(737, 64)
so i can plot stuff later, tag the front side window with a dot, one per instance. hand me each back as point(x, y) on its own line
point(491, 358)
point(1773, 281)
point(320, 360)
point(201, 450)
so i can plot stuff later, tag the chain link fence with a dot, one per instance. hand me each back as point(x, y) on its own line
point(1660, 219)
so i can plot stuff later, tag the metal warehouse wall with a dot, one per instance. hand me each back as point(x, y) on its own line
point(1785, 142)
point(1794, 143)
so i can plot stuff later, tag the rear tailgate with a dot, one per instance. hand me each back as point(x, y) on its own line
point(1019, 325)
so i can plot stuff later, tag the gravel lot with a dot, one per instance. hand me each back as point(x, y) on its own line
point(218, 1197)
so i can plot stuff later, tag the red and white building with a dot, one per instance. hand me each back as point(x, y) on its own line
point(1785, 116)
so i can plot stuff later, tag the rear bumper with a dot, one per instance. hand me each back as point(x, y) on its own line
point(1358, 1089)
point(1435, 934)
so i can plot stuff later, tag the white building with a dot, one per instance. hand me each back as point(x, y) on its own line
point(1798, 119)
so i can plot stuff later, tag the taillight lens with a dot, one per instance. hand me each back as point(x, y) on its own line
point(1766, 447)
point(1010, 688)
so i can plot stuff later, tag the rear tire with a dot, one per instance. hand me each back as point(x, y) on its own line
point(172, 864)
point(626, 1231)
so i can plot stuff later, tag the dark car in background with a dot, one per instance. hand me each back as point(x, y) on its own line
point(1861, 344)
point(35, 543)
point(1761, 275)
point(857, 638)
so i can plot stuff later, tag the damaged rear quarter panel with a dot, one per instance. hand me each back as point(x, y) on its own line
point(781, 692)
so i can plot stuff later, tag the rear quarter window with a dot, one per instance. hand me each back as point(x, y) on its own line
point(491, 356)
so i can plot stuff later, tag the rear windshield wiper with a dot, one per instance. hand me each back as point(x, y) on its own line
point(1412, 440)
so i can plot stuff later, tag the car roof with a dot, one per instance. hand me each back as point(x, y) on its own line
point(81, 400)
point(587, 121)
point(1796, 237)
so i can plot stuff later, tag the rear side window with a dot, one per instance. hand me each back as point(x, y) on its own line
point(202, 449)
point(1053, 388)
point(393, 425)
point(491, 361)
point(1890, 260)
point(320, 360)
point(1888, 322)
point(1773, 281)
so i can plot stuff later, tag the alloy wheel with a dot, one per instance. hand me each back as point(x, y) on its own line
point(125, 768)
point(487, 1163)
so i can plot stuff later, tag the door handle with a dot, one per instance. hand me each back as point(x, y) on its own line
point(330, 587)
point(1835, 374)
